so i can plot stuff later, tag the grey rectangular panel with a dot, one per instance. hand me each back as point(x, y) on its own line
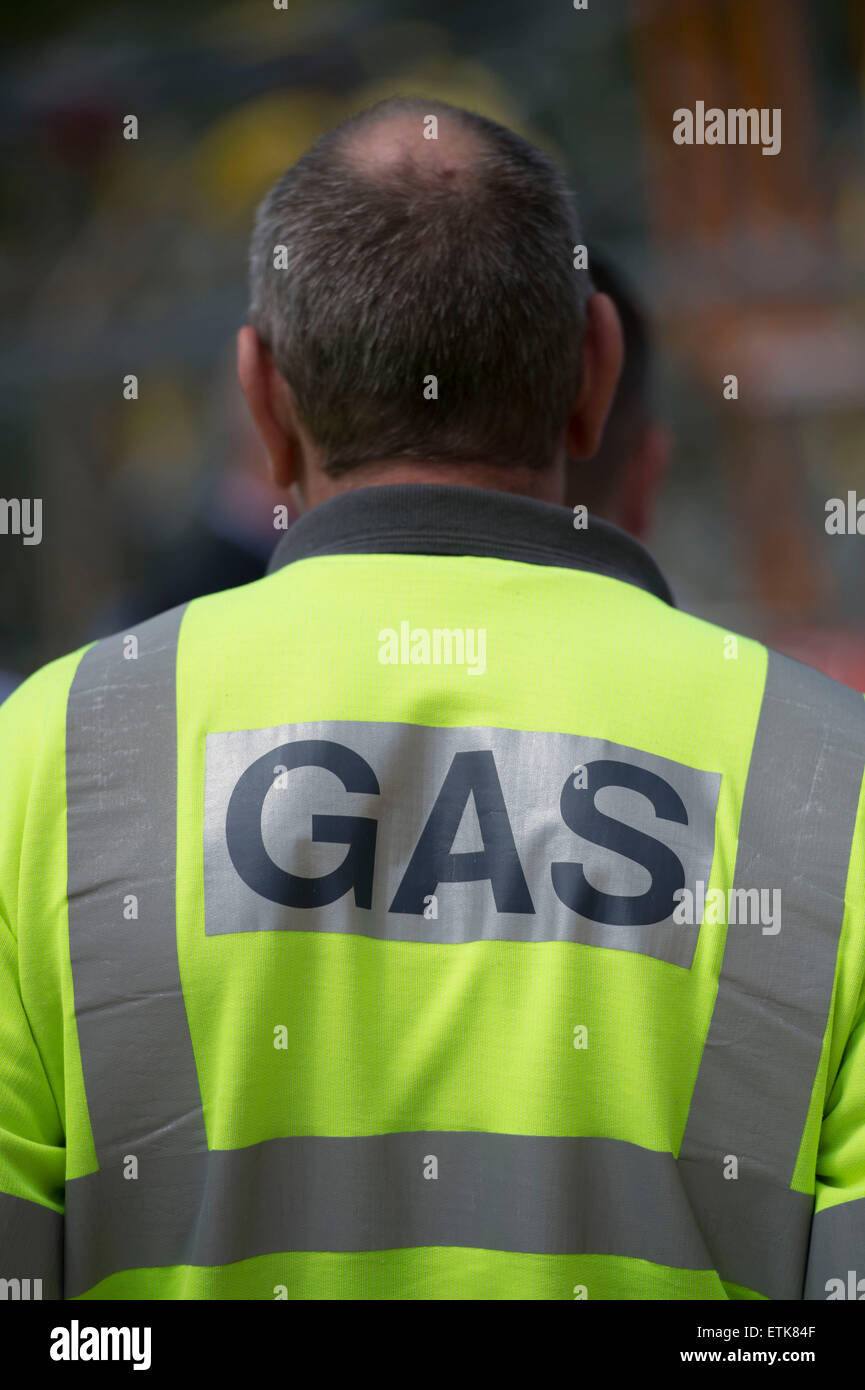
point(410, 764)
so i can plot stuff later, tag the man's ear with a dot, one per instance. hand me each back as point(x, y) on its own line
point(270, 406)
point(603, 355)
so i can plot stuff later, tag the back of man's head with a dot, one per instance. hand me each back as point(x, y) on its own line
point(408, 258)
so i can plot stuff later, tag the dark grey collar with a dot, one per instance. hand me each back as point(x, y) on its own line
point(436, 519)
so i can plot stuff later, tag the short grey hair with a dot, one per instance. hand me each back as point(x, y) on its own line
point(391, 277)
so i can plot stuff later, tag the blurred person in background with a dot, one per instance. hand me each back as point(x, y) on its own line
point(8, 682)
point(622, 481)
point(232, 532)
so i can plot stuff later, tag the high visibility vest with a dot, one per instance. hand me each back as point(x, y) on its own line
point(443, 916)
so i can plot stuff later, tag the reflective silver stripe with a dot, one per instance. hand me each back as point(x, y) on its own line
point(545, 1195)
point(755, 1228)
point(121, 773)
point(389, 799)
point(763, 1047)
point(31, 1248)
point(837, 1251)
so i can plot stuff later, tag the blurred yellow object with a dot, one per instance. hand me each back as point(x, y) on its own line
point(247, 150)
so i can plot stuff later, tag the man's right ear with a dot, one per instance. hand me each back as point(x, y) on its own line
point(269, 404)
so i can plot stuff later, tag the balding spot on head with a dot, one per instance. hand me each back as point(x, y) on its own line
point(396, 142)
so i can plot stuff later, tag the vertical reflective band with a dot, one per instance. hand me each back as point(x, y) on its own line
point(763, 1047)
point(31, 1252)
point(121, 775)
point(836, 1259)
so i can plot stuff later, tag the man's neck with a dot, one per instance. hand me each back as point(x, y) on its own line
point(547, 484)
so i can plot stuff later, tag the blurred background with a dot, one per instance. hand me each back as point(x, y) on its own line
point(123, 257)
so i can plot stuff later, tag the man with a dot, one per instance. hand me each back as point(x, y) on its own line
point(443, 916)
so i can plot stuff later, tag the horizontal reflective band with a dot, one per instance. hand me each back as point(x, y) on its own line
point(756, 1229)
point(121, 777)
point(31, 1250)
point(837, 1252)
point(357, 827)
point(762, 1052)
point(529, 1194)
